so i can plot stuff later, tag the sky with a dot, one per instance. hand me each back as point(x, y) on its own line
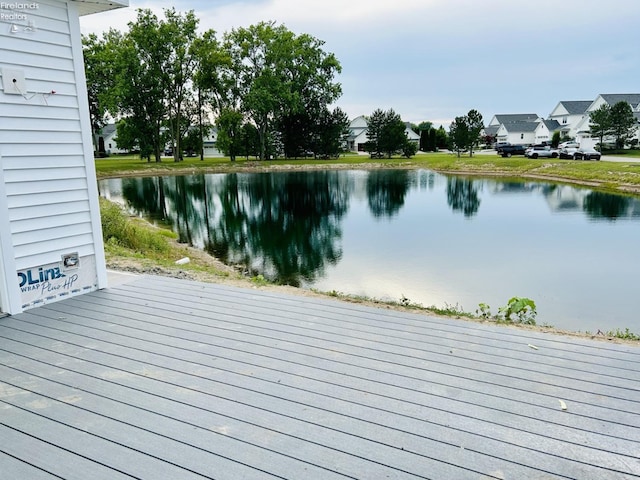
point(433, 60)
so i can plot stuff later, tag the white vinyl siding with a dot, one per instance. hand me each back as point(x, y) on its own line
point(43, 155)
point(48, 192)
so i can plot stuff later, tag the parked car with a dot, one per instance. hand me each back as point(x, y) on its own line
point(569, 144)
point(542, 151)
point(507, 150)
point(586, 154)
point(568, 151)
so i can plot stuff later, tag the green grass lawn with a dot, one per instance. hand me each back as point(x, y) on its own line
point(610, 176)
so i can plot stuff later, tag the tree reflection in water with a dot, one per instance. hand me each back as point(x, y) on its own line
point(462, 195)
point(287, 226)
point(605, 205)
point(386, 191)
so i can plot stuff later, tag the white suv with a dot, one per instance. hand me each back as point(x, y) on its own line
point(543, 151)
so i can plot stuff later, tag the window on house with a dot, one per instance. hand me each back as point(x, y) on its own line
point(564, 120)
point(521, 136)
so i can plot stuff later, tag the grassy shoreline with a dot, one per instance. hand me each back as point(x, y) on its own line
point(615, 177)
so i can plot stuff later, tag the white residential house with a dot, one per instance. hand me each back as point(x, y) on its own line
point(518, 132)
point(514, 128)
point(545, 131)
point(108, 136)
point(357, 138)
point(357, 134)
point(411, 135)
point(209, 144)
point(569, 113)
point(50, 232)
point(583, 130)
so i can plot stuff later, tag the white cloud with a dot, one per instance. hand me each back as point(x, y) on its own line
point(436, 59)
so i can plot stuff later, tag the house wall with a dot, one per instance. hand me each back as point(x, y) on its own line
point(110, 145)
point(360, 141)
point(515, 138)
point(568, 123)
point(50, 232)
point(542, 134)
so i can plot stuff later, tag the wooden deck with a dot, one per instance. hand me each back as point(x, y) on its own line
point(170, 379)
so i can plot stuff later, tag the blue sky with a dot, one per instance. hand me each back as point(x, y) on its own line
point(437, 59)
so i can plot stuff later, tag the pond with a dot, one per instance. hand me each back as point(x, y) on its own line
point(413, 234)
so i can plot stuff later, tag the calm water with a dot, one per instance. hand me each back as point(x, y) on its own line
point(433, 239)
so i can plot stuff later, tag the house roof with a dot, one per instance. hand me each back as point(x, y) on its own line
point(520, 126)
point(358, 122)
point(87, 7)
point(491, 129)
point(612, 98)
point(108, 129)
point(576, 107)
point(516, 117)
point(552, 125)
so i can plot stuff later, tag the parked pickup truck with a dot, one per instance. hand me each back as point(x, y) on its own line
point(508, 150)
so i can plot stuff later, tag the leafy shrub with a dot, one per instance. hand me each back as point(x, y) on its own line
point(519, 310)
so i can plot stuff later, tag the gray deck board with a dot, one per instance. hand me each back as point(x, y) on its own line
point(165, 378)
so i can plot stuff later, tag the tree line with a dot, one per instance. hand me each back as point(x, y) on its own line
point(268, 88)
point(617, 121)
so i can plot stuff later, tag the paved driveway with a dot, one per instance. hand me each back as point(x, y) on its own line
point(615, 158)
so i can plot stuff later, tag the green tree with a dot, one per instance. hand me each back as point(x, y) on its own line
point(229, 125)
point(154, 73)
point(277, 73)
point(623, 123)
point(459, 134)
point(433, 140)
point(442, 139)
point(386, 133)
point(600, 123)
point(193, 143)
point(178, 32)
point(212, 80)
point(331, 133)
point(424, 140)
point(249, 141)
point(296, 132)
point(375, 123)
point(126, 135)
point(465, 131)
point(475, 125)
point(393, 137)
point(100, 63)
point(141, 83)
point(555, 140)
point(426, 125)
point(409, 149)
